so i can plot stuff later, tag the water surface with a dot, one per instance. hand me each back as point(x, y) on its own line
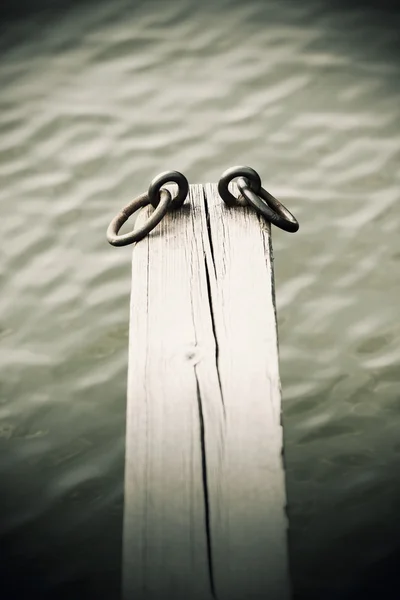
point(95, 101)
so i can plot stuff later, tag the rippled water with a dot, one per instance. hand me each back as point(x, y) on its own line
point(94, 102)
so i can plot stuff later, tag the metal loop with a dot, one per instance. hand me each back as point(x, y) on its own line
point(139, 233)
point(167, 177)
point(268, 206)
point(250, 174)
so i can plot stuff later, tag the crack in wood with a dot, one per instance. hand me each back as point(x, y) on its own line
point(205, 489)
point(210, 296)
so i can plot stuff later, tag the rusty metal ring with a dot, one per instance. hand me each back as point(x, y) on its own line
point(167, 177)
point(139, 233)
point(268, 206)
point(250, 174)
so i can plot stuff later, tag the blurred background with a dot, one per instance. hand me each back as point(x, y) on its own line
point(95, 100)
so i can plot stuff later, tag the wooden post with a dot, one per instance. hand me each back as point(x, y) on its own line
point(204, 481)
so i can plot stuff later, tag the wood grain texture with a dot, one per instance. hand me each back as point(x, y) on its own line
point(204, 482)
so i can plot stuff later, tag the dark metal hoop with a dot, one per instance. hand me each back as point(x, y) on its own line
point(167, 177)
point(268, 206)
point(248, 173)
point(137, 234)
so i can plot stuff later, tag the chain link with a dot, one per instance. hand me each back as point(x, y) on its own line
point(249, 185)
point(168, 177)
point(159, 198)
point(229, 175)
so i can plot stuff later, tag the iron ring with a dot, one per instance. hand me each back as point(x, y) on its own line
point(137, 234)
point(162, 179)
point(248, 173)
point(269, 207)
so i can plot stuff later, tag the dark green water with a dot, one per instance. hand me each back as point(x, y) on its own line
point(94, 102)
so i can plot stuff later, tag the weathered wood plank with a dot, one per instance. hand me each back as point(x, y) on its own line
point(249, 522)
point(204, 483)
